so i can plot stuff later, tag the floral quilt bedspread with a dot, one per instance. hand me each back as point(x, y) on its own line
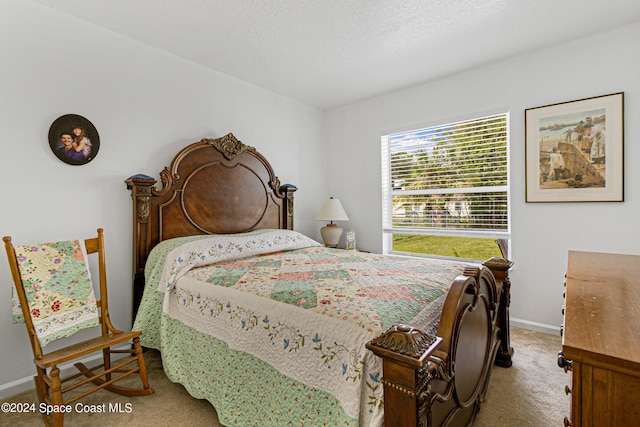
point(306, 310)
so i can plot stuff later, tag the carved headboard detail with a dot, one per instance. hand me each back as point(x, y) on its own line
point(213, 186)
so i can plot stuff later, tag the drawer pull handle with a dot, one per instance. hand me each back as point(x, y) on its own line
point(567, 422)
point(564, 363)
point(567, 390)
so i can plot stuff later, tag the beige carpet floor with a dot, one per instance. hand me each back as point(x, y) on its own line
point(530, 393)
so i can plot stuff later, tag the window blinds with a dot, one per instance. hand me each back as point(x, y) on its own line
point(448, 179)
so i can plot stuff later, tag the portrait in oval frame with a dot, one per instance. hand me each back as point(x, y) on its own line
point(74, 139)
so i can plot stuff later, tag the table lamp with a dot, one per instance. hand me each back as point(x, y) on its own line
point(331, 210)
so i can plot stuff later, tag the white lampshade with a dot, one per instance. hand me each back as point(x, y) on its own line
point(331, 210)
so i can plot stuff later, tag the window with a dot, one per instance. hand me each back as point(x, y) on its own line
point(445, 189)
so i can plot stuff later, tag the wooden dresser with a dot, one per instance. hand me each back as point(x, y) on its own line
point(601, 339)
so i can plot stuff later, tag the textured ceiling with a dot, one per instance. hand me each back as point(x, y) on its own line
point(327, 53)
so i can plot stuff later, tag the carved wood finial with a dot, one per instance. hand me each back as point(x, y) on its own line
point(228, 145)
point(141, 186)
point(405, 340)
point(497, 263)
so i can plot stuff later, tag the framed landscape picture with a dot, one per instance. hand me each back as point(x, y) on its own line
point(575, 151)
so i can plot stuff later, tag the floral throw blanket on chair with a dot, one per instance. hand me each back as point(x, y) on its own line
point(57, 284)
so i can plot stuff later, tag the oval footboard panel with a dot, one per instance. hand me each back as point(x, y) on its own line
point(473, 349)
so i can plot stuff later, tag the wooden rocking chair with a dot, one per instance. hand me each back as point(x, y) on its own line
point(43, 275)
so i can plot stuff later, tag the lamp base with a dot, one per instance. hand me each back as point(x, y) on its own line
point(331, 234)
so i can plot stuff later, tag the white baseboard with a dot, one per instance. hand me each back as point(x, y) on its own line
point(15, 387)
point(535, 326)
point(23, 384)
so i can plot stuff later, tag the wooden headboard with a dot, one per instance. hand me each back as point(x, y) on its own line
point(213, 186)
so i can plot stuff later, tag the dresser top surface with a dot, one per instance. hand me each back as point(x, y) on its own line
point(602, 309)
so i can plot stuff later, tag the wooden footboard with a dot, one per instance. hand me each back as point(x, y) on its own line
point(440, 381)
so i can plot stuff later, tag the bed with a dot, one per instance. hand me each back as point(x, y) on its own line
point(275, 329)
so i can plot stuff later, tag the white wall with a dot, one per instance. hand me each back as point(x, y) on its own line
point(541, 233)
point(146, 105)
